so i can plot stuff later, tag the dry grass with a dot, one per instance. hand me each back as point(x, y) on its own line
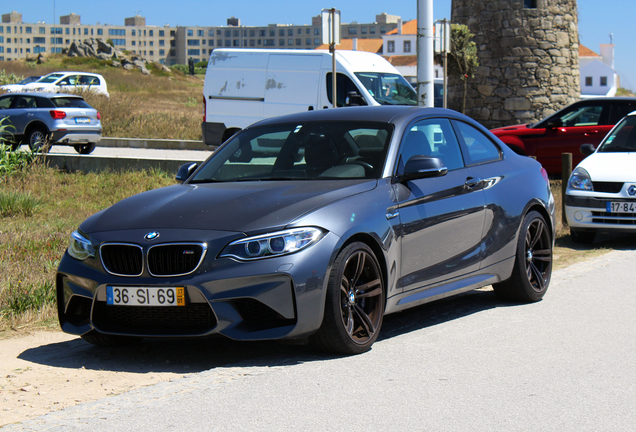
point(160, 105)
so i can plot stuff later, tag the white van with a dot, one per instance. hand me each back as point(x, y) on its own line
point(243, 86)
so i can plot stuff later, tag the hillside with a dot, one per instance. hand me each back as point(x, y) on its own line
point(160, 105)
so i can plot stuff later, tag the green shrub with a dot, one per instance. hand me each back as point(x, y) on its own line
point(17, 299)
point(13, 161)
point(14, 203)
point(9, 78)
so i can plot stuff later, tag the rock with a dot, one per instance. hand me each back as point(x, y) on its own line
point(129, 66)
point(116, 64)
point(144, 70)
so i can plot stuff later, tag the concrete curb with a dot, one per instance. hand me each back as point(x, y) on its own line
point(90, 163)
point(162, 144)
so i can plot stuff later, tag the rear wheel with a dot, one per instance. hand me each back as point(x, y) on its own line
point(533, 262)
point(355, 303)
point(110, 340)
point(582, 237)
point(84, 148)
point(38, 139)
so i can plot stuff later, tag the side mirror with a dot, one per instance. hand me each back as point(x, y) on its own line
point(354, 99)
point(587, 149)
point(419, 166)
point(554, 123)
point(185, 171)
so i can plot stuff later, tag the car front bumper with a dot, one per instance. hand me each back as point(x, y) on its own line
point(590, 212)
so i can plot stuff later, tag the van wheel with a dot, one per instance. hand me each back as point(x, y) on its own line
point(84, 148)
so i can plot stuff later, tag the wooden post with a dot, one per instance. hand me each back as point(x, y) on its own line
point(566, 170)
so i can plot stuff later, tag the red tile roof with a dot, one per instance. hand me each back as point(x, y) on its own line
point(368, 45)
point(409, 27)
point(586, 52)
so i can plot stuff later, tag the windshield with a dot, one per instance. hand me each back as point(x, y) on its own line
point(388, 88)
point(622, 138)
point(305, 151)
point(50, 78)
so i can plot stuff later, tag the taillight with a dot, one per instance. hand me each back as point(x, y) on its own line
point(544, 173)
point(204, 109)
point(99, 116)
point(57, 115)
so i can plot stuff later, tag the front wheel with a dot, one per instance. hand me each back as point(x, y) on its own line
point(533, 262)
point(354, 305)
point(84, 148)
point(38, 139)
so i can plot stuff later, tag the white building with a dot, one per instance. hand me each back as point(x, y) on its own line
point(598, 77)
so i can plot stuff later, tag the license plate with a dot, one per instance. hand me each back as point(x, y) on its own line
point(145, 296)
point(621, 207)
point(82, 120)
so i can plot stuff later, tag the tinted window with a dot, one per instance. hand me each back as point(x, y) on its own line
point(313, 150)
point(622, 138)
point(476, 147)
point(431, 137)
point(69, 102)
point(620, 110)
point(25, 102)
point(5, 102)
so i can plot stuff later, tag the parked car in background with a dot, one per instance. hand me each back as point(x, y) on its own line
point(583, 122)
point(64, 119)
point(601, 192)
point(64, 82)
point(19, 85)
point(325, 222)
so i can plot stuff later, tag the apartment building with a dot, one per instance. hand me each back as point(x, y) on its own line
point(171, 45)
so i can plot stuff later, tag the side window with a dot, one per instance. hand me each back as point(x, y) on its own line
point(476, 146)
point(43, 103)
point(5, 102)
point(431, 137)
point(344, 85)
point(620, 110)
point(26, 102)
point(583, 115)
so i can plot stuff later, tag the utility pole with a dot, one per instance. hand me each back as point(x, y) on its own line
point(425, 62)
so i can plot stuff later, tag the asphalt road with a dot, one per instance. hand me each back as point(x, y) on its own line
point(194, 155)
point(470, 363)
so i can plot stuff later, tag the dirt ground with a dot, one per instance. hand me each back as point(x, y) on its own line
point(49, 370)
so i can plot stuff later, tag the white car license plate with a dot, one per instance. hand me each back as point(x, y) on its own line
point(621, 207)
point(82, 120)
point(145, 296)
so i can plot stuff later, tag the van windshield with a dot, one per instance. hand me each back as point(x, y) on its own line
point(388, 88)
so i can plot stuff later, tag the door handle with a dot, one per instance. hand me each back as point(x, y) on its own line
point(472, 182)
point(591, 133)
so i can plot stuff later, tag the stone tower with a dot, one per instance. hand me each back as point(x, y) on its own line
point(528, 57)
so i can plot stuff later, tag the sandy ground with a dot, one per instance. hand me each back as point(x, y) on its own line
point(48, 370)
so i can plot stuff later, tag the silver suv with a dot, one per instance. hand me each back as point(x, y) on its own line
point(32, 118)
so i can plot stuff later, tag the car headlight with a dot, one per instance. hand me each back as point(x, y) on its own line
point(580, 180)
point(80, 247)
point(274, 244)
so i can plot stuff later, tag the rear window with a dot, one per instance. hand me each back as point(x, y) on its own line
point(68, 102)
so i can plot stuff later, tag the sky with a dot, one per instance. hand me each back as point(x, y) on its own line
point(597, 19)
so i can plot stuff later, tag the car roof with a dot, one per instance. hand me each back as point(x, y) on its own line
point(71, 72)
point(608, 99)
point(44, 95)
point(387, 114)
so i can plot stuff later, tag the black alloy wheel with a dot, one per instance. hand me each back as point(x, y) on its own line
point(355, 303)
point(533, 264)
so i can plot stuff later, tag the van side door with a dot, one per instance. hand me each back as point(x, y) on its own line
point(291, 84)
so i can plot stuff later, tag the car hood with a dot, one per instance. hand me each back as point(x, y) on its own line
point(617, 167)
point(239, 207)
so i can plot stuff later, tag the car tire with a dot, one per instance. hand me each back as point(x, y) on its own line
point(84, 148)
point(582, 237)
point(533, 263)
point(37, 139)
point(105, 340)
point(354, 305)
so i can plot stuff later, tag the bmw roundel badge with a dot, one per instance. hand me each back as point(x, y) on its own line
point(152, 235)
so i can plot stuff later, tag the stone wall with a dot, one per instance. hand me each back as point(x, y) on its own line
point(529, 64)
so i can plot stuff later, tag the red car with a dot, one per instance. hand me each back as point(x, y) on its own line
point(584, 122)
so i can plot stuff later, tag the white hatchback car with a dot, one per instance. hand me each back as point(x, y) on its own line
point(601, 192)
point(64, 82)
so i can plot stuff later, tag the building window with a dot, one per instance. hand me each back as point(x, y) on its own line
point(161, 33)
point(194, 52)
point(2, 49)
point(210, 42)
point(172, 33)
point(300, 31)
point(56, 41)
point(269, 42)
point(68, 30)
point(316, 31)
point(85, 32)
point(193, 42)
point(299, 41)
point(236, 42)
point(290, 42)
point(218, 32)
point(228, 33)
point(152, 53)
point(530, 4)
point(162, 42)
point(407, 46)
point(228, 43)
point(54, 30)
point(261, 33)
point(281, 42)
point(100, 32)
point(252, 42)
point(199, 33)
point(42, 30)
point(390, 46)
point(316, 41)
point(353, 30)
point(56, 50)
point(272, 32)
point(37, 40)
point(172, 43)
point(134, 43)
point(210, 33)
point(604, 81)
point(116, 32)
point(363, 30)
point(162, 52)
point(119, 41)
point(372, 30)
point(38, 50)
point(133, 32)
point(382, 30)
point(588, 81)
point(252, 33)
point(281, 32)
point(190, 32)
point(308, 41)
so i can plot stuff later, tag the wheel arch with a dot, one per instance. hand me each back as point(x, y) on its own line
point(515, 144)
point(370, 241)
point(546, 215)
point(35, 124)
